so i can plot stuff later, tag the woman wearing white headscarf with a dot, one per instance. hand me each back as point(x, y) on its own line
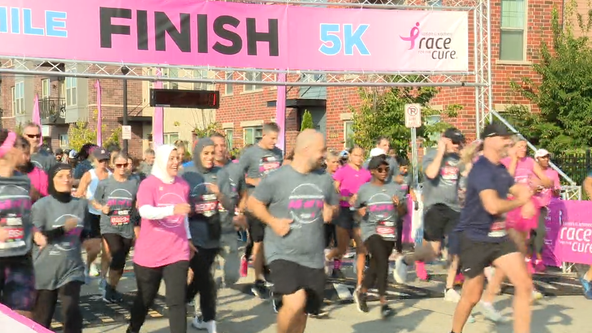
point(162, 249)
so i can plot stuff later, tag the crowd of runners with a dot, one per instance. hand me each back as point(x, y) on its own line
point(484, 207)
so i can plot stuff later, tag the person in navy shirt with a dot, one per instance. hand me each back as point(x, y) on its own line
point(483, 237)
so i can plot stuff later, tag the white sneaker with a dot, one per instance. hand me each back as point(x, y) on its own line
point(537, 295)
point(94, 272)
point(199, 324)
point(400, 271)
point(451, 295)
point(491, 313)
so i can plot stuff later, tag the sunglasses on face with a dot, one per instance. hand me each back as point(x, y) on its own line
point(124, 165)
point(383, 169)
point(33, 136)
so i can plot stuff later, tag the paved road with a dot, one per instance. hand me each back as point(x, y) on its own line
point(239, 312)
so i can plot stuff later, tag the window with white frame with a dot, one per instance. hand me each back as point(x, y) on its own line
point(512, 41)
point(71, 91)
point(348, 134)
point(229, 133)
point(253, 76)
point(252, 135)
point(170, 72)
point(170, 138)
point(64, 141)
point(45, 88)
point(18, 98)
point(229, 87)
point(200, 74)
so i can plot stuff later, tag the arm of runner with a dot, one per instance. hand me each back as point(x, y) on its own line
point(432, 162)
point(545, 181)
point(492, 203)
point(98, 200)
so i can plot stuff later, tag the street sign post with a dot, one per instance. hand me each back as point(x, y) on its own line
point(413, 121)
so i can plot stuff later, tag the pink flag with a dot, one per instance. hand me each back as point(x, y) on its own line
point(36, 112)
point(158, 120)
point(99, 115)
point(280, 111)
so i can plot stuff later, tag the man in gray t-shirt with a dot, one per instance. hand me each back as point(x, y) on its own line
point(294, 202)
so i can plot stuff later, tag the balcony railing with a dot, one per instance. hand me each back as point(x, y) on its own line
point(53, 110)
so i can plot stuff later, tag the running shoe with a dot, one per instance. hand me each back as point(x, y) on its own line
point(93, 271)
point(536, 295)
point(459, 279)
point(276, 303)
point(111, 295)
point(489, 312)
point(451, 295)
point(539, 266)
point(361, 300)
point(420, 271)
point(244, 266)
point(322, 314)
point(400, 271)
point(260, 290)
point(199, 324)
point(588, 294)
point(386, 311)
point(129, 330)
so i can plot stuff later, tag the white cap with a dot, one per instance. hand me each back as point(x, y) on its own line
point(541, 153)
point(344, 153)
point(72, 154)
point(377, 152)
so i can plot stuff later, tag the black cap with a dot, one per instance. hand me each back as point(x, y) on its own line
point(376, 161)
point(59, 151)
point(495, 129)
point(101, 154)
point(455, 135)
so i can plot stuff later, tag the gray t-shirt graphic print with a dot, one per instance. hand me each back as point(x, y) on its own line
point(60, 261)
point(381, 213)
point(15, 215)
point(120, 197)
point(257, 162)
point(301, 198)
point(444, 188)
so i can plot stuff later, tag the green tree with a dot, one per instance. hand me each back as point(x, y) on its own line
point(306, 121)
point(383, 114)
point(564, 93)
point(80, 134)
point(210, 129)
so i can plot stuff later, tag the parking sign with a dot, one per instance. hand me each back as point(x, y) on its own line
point(412, 115)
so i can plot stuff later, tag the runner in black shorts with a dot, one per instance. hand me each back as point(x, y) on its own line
point(257, 162)
point(483, 237)
point(294, 202)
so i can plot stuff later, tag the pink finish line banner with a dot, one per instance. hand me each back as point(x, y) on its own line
point(569, 233)
point(225, 34)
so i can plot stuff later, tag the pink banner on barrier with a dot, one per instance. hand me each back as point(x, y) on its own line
point(569, 233)
point(226, 34)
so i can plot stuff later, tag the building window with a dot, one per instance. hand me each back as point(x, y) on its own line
point(45, 88)
point(229, 87)
point(170, 138)
point(253, 76)
point(64, 141)
point(348, 134)
point(200, 74)
point(512, 46)
point(252, 135)
point(18, 98)
point(71, 91)
point(229, 133)
point(170, 72)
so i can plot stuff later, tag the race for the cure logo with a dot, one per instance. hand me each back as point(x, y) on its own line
point(436, 45)
point(167, 200)
point(577, 236)
point(343, 38)
point(381, 207)
point(305, 204)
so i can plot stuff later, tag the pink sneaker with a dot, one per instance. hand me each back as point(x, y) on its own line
point(539, 266)
point(244, 266)
point(420, 270)
point(459, 279)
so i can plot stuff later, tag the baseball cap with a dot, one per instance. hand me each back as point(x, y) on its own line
point(496, 129)
point(376, 161)
point(377, 152)
point(101, 153)
point(59, 151)
point(542, 153)
point(344, 154)
point(455, 135)
point(72, 154)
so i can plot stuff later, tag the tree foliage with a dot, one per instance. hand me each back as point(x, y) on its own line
point(207, 131)
point(306, 121)
point(383, 114)
point(80, 134)
point(564, 93)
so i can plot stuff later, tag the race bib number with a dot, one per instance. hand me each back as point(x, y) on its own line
point(449, 173)
point(208, 207)
point(120, 218)
point(498, 229)
point(387, 230)
point(15, 238)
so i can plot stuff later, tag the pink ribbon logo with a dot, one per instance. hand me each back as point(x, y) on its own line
point(413, 34)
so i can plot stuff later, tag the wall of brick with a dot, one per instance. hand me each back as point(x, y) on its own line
point(8, 120)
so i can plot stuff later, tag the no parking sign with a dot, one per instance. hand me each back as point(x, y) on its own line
point(412, 115)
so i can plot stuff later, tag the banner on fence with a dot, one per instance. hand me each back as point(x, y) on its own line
point(226, 34)
point(569, 233)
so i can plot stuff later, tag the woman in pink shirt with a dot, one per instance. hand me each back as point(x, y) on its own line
point(348, 180)
point(162, 250)
point(37, 176)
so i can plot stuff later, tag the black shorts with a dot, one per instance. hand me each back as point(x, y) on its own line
point(256, 229)
point(439, 221)
point(289, 277)
point(475, 256)
point(17, 283)
point(95, 226)
point(345, 219)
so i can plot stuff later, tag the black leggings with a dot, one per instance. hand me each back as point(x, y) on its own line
point(148, 282)
point(330, 235)
point(379, 251)
point(203, 282)
point(399, 245)
point(69, 296)
point(538, 235)
point(119, 248)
